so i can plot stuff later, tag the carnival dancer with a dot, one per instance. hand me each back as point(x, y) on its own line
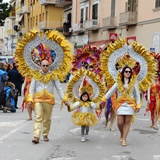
point(88, 57)
point(37, 63)
point(85, 117)
point(126, 84)
point(25, 92)
point(84, 101)
point(153, 96)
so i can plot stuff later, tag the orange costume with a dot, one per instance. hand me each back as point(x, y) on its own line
point(154, 105)
point(25, 92)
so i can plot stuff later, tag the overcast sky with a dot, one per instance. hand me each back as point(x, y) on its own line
point(6, 0)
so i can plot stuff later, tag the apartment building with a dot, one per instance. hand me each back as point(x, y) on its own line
point(1, 40)
point(100, 21)
point(35, 14)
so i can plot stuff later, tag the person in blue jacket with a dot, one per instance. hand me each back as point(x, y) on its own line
point(3, 80)
point(10, 97)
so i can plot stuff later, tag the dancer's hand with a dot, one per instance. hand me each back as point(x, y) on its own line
point(67, 104)
point(137, 110)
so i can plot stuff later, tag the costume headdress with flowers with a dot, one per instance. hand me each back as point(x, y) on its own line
point(31, 49)
point(83, 79)
point(137, 53)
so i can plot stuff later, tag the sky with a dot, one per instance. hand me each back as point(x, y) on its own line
point(6, 0)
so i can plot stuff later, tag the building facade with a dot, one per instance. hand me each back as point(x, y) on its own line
point(98, 20)
point(35, 14)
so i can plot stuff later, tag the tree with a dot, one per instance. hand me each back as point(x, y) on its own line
point(5, 9)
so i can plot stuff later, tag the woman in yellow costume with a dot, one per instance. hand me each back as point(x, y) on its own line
point(127, 85)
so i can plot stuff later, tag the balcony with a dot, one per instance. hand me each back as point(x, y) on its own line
point(81, 1)
point(45, 25)
point(10, 32)
point(79, 27)
point(24, 30)
point(12, 15)
point(63, 3)
point(18, 10)
point(46, 2)
point(128, 18)
point(92, 24)
point(109, 22)
point(25, 9)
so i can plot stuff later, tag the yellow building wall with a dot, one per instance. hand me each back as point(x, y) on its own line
point(51, 14)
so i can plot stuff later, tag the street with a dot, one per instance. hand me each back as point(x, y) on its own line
point(16, 135)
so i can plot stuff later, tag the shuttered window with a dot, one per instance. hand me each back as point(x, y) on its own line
point(113, 4)
point(157, 4)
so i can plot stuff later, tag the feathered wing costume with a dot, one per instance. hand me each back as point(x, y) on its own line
point(88, 57)
point(138, 54)
point(153, 94)
point(84, 117)
point(31, 49)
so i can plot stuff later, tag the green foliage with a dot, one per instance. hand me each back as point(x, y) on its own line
point(5, 8)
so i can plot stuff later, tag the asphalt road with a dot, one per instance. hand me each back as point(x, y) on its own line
point(16, 133)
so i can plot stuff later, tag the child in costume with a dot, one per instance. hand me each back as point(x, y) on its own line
point(82, 100)
point(84, 117)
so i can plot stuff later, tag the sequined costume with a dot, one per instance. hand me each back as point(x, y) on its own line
point(84, 117)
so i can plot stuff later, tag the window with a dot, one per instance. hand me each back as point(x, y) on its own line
point(43, 16)
point(28, 23)
point(36, 20)
point(157, 4)
point(131, 6)
point(33, 21)
point(82, 13)
point(46, 16)
point(86, 18)
point(95, 11)
point(39, 17)
point(113, 3)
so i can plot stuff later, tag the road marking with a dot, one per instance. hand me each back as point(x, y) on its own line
point(13, 123)
point(13, 131)
point(120, 157)
point(156, 157)
point(66, 158)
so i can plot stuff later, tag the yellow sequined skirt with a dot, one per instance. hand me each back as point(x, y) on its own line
point(84, 119)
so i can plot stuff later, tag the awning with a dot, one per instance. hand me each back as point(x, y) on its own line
point(103, 43)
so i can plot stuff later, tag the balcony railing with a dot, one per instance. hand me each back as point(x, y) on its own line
point(81, 1)
point(91, 24)
point(109, 22)
point(19, 10)
point(79, 27)
point(128, 18)
point(44, 25)
point(25, 9)
point(46, 2)
point(12, 15)
point(63, 3)
point(10, 32)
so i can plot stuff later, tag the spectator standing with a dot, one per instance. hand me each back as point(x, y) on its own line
point(16, 78)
